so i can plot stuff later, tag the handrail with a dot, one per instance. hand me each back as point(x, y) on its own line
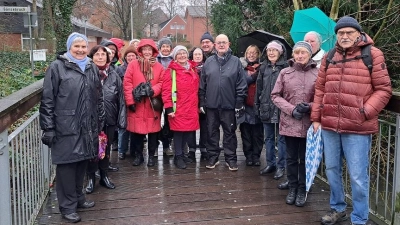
point(14, 106)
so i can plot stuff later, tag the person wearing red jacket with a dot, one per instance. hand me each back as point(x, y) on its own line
point(142, 117)
point(183, 113)
point(347, 101)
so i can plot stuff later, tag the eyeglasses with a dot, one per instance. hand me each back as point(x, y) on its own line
point(348, 33)
point(252, 53)
point(222, 43)
point(181, 53)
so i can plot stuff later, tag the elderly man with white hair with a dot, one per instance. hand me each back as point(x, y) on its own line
point(315, 40)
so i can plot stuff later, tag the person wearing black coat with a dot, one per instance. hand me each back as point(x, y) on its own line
point(71, 116)
point(275, 61)
point(115, 114)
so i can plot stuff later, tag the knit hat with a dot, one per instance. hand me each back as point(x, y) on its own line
point(72, 37)
point(303, 44)
point(208, 36)
point(347, 21)
point(276, 46)
point(164, 41)
point(177, 49)
point(130, 49)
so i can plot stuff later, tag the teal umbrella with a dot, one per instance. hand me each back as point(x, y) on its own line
point(313, 19)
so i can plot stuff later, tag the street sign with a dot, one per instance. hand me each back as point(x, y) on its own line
point(14, 9)
point(39, 55)
point(33, 20)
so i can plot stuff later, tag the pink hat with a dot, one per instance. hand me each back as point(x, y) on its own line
point(276, 46)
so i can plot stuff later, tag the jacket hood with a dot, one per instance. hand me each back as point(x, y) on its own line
point(118, 42)
point(282, 58)
point(363, 40)
point(311, 64)
point(149, 42)
point(106, 43)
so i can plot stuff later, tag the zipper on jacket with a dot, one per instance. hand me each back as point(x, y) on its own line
point(340, 84)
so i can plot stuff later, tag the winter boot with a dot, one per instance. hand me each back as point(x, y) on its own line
point(91, 180)
point(192, 155)
point(179, 162)
point(105, 180)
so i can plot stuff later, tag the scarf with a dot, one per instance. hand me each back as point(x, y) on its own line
point(80, 62)
point(103, 72)
point(146, 67)
point(252, 66)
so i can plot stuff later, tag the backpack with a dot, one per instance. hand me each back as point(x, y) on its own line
point(365, 56)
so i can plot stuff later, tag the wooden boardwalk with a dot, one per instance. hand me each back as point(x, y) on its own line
point(166, 195)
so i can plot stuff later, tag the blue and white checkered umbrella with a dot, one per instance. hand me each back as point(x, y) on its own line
point(314, 149)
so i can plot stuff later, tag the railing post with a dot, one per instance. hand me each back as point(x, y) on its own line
point(5, 196)
point(396, 185)
point(46, 165)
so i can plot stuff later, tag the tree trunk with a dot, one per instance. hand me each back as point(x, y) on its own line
point(35, 29)
point(334, 10)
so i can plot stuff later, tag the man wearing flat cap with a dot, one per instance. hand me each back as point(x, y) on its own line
point(347, 101)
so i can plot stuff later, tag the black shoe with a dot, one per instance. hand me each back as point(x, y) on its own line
point(138, 160)
point(204, 156)
point(291, 197)
point(187, 159)
point(151, 161)
point(301, 198)
point(112, 169)
point(72, 217)
point(212, 162)
point(249, 162)
point(267, 169)
point(284, 185)
point(179, 162)
point(192, 156)
point(87, 204)
point(279, 173)
point(105, 181)
point(91, 179)
point(256, 162)
point(232, 165)
point(121, 156)
point(97, 174)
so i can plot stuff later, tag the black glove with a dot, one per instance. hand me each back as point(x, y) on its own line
point(148, 90)
point(132, 107)
point(138, 92)
point(303, 107)
point(254, 76)
point(239, 112)
point(296, 114)
point(48, 137)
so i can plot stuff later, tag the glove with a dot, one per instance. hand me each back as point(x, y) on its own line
point(254, 76)
point(138, 92)
point(132, 107)
point(303, 107)
point(48, 137)
point(296, 114)
point(202, 110)
point(239, 112)
point(148, 90)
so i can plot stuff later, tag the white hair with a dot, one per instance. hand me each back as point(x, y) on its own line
point(319, 38)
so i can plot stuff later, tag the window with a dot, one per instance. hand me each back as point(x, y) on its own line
point(26, 42)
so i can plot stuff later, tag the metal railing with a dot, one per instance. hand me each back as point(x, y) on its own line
point(384, 156)
point(31, 171)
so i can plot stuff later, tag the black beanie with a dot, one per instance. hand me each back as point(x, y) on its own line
point(208, 36)
point(347, 21)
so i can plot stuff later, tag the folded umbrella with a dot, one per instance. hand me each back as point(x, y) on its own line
point(314, 150)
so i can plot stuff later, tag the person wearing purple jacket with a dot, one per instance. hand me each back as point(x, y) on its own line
point(293, 94)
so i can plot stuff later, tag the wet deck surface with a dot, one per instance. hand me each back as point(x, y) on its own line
point(165, 194)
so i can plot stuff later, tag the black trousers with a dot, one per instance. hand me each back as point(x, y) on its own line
point(103, 163)
point(137, 143)
point(69, 185)
point(180, 140)
point(253, 140)
point(295, 161)
point(203, 134)
point(226, 119)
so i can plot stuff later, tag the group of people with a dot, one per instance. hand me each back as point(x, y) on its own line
point(271, 98)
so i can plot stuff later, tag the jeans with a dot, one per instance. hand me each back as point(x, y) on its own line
point(355, 149)
point(123, 140)
point(271, 130)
